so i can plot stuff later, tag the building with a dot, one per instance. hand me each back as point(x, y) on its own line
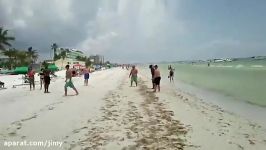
point(71, 58)
point(97, 59)
point(70, 53)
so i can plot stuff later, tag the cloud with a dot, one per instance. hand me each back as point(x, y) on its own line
point(140, 27)
point(19, 23)
point(123, 30)
point(97, 45)
point(130, 28)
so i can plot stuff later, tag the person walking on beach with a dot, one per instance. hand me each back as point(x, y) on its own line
point(47, 79)
point(152, 75)
point(171, 75)
point(68, 81)
point(31, 74)
point(134, 75)
point(86, 76)
point(157, 79)
point(41, 78)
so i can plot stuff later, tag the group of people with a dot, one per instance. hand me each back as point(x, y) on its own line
point(44, 78)
point(156, 76)
point(71, 73)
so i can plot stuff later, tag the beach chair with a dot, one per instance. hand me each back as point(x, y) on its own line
point(26, 79)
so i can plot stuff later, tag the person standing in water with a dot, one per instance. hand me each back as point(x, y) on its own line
point(169, 67)
point(47, 79)
point(134, 75)
point(68, 81)
point(171, 75)
point(157, 79)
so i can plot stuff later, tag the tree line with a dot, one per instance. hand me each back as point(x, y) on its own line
point(16, 57)
point(19, 57)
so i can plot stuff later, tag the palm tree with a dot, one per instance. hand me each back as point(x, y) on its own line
point(88, 62)
point(32, 55)
point(63, 55)
point(4, 39)
point(11, 54)
point(54, 46)
point(22, 58)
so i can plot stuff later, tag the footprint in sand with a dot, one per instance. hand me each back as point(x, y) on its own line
point(78, 130)
point(15, 126)
point(50, 106)
point(26, 119)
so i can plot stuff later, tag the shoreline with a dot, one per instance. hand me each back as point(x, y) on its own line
point(243, 108)
point(211, 122)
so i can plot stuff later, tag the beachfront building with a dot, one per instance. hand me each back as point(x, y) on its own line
point(70, 53)
point(70, 58)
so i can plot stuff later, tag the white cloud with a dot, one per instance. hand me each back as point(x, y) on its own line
point(98, 44)
point(142, 27)
point(63, 9)
point(19, 23)
point(139, 29)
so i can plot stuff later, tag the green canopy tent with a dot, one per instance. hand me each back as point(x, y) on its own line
point(109, 65)
point(53, 67)
point(21, 70)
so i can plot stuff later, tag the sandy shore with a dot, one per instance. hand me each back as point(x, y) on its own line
point(108, 114)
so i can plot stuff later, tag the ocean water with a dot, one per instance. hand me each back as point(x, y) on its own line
point(241, 80)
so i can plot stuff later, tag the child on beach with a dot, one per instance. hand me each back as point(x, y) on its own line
point(68, 81)
point(86, 76)
point(157, 78)
point(134, 75)
point(31, 74)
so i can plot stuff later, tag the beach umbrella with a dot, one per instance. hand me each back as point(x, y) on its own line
point(21, 70)
point(53, 67)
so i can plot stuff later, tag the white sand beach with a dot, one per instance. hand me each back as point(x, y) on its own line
point(109, 114)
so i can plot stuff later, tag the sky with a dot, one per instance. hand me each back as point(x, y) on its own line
point(129, 31)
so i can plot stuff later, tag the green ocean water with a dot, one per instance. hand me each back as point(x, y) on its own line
point(243, 80)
